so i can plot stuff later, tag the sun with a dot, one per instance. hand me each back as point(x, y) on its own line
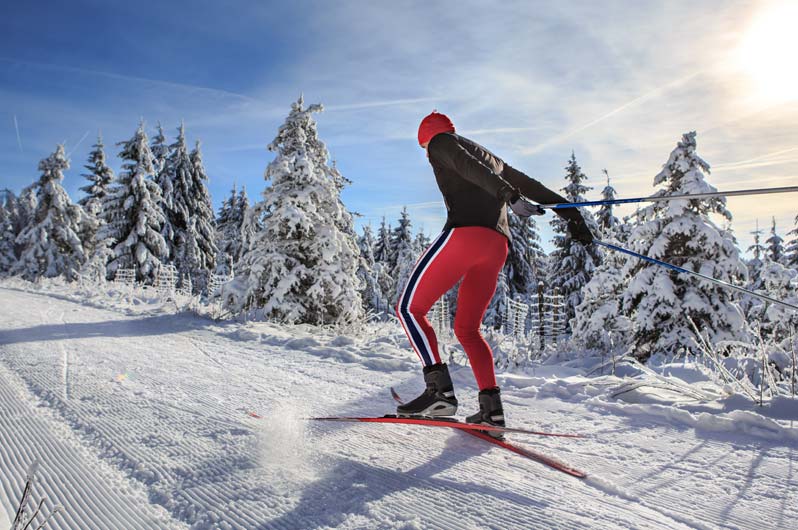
point(768, 53)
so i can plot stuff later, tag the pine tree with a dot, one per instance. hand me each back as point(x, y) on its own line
point(791, 252)
point(775, 245)
point(99, 176)
point(160, 152)
point(175, 182)
point(50, 243)
point(755, 263)
point(525, 266)
point(133, 213)
point(661, 301)
point(572, 263)
point(228, 233)
point(301, 266)
point(196, 255)
point(368, 271)
point(607, 223)
point(382, 246)
point(421, 243)
point(402, 257)
point(599, 323)
point(775, 320)
point(8, 209)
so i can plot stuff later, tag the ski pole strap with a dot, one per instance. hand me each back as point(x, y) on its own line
point(760, 191)
point(676, 268)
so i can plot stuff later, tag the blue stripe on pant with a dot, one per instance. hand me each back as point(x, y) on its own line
point(414, 331)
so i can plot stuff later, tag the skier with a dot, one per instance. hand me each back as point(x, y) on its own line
point(477, 186)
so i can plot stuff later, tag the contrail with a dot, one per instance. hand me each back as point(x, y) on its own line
point(388, 103)
point(122, 77)
point(759, 161)
point(19, 140)
point(638, 99)
point(78, 144)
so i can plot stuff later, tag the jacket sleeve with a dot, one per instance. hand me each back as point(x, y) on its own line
point(534, 190)
point(446, 151)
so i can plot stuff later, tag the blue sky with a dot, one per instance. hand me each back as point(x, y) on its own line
point(616, 82)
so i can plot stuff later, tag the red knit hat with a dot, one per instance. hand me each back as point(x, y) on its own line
point(433, 124)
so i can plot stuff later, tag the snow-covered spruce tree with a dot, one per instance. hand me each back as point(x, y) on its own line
point(99, 176)
point(160, 152)
point(781, 283)
point(607, 223)
point(50, 244)
point(196, 251)
point(382, 246)
point(301, 267)
point(175, 182)
point(402, 255)
point(372, 296)
point(571, 262)
point(8, 255)
point(133, 215)
point(791, 252)
point(228, 233)
point(659, 300)
point(525, 265)
point(599, 324)
point(754, 265)
point(228, 229)
point(775, 245)
point(421, 242)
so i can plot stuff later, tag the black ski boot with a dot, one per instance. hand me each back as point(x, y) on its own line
point(437, 400)
point(490, 411)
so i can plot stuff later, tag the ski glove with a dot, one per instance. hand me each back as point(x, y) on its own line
point(523, 208)
point(580, 232)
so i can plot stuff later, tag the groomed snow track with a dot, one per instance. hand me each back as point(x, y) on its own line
point(141, 422)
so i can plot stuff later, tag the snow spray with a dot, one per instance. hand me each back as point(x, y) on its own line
point(285, 449)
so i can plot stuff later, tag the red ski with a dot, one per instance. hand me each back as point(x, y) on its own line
point(532, 455)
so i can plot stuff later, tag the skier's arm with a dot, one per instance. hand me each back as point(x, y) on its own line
point(444, 149)
point(534, 190)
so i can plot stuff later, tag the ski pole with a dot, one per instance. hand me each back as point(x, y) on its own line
point(686, 271)
point(760, 191)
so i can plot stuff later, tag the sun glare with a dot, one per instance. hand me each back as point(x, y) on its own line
point(769, 53)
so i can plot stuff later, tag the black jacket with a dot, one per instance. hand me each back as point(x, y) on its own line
point(477, 185)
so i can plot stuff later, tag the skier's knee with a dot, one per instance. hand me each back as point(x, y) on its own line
point(467, 334)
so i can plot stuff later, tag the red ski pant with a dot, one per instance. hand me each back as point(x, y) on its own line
point(474, 254)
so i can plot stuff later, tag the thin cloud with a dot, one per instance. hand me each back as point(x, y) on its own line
point(19, 139)
point(122, 77)
point(656, 92)
point(375, 104)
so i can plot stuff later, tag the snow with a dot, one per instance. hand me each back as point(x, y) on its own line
point(140, 415)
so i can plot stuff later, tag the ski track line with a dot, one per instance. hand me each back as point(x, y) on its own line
point(26, 436)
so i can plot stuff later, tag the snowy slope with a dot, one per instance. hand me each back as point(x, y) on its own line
point(142, 420)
